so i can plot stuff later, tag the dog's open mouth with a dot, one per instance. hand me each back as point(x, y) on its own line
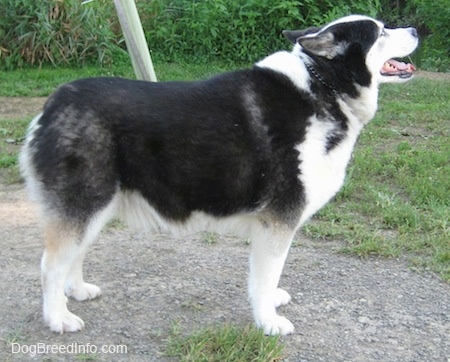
point(396, 68)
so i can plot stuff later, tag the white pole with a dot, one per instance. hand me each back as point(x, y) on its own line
point(135, 39)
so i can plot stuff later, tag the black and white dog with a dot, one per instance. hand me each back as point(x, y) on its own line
point(253, 152)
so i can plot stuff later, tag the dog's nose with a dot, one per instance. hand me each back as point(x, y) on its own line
point(413, 32)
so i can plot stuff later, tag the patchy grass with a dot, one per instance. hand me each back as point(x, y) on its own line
point(224, 343)
point(13, 129)
point(396, 199)
point(12, 133)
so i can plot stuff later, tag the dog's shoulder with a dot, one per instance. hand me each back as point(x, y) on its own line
point(288, 64)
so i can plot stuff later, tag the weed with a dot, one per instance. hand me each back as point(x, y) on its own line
point(13, 337)
point(192, 305)
point(8, 160)
point(209, 237)
point(116, 224)
point(86, 357)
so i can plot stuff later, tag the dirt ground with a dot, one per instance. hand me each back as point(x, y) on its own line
point(344, 308)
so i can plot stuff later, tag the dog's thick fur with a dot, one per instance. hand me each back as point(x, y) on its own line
point(253, 152)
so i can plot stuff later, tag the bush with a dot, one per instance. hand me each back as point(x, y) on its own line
point(64, 32)
point(431, 19)
point(434, 16)
point(57, 32)
point(236, 30)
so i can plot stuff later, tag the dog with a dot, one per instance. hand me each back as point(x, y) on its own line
point(252, 152)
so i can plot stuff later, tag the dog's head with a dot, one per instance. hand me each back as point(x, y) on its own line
point(360, 47)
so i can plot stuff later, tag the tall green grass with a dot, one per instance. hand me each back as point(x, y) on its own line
point(57, 32)
point(70, 32)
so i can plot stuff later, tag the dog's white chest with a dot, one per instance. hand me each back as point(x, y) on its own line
point(322, 173)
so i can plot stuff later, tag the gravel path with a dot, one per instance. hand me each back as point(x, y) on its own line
point(344, 308)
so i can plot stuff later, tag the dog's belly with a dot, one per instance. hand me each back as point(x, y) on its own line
point(139, 214)
point(322, 173)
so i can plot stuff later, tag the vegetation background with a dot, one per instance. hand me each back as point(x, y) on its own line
point(69, 33)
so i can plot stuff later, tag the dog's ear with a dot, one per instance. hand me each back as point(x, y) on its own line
point(293, 35)
point(322, 44)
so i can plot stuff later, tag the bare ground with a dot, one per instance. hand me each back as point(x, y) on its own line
point(344, 308)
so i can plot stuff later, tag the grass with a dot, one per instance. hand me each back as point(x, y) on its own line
point(396, 199)
point(42, 82)
point(224, 343)
point(12, 133)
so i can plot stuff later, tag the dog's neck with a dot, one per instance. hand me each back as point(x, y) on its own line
point(297, 66)
point(321, 80)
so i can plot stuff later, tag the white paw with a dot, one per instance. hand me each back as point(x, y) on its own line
point(65, 322)
point(84, 292)
point(276, 325)
point(281, 297)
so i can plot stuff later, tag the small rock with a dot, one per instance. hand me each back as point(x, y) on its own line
point(364, 320)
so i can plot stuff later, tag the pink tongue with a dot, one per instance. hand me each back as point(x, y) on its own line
point(398, 65)
point(394, 67)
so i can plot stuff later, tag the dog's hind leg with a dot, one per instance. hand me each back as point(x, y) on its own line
point(269, 251)
point(62, 249)
point(75, 287)
point(62, 263)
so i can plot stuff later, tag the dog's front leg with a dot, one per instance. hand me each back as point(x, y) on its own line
point(269, 251)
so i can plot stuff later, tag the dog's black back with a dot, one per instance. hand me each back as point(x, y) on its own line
point(221, 146)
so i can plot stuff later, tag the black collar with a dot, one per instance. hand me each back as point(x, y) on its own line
point(321, 80)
